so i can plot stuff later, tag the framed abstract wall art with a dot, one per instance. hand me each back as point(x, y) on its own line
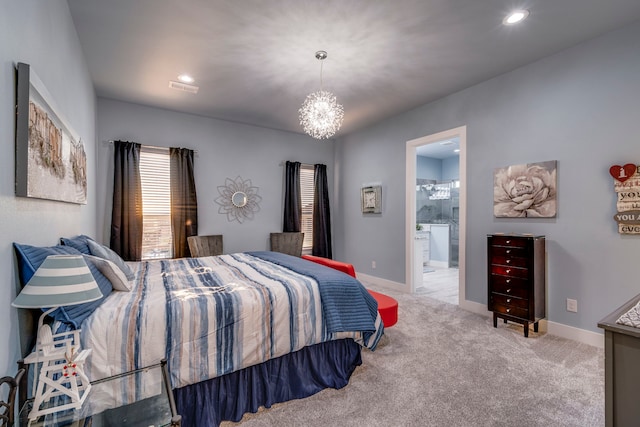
point(50, 159)
point(525, 191)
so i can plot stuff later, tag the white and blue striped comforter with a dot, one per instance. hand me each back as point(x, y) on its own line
point(208, 317)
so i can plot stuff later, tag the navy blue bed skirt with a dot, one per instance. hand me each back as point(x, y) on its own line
point(292, 376)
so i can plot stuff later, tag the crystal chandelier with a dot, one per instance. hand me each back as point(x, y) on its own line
point(320, 114)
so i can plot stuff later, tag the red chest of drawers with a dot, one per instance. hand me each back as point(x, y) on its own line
point(516, 279)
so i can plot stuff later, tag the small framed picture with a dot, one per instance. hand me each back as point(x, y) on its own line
point(371, 199)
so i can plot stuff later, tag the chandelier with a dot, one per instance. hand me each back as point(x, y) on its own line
point(320, 114)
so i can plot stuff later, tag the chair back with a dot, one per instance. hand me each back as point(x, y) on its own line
point(7, 408)
point(287, 243)
point(205, 245)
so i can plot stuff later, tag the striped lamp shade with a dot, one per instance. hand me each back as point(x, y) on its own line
point(60, 280)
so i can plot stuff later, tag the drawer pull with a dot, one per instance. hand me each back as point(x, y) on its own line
point(508, 251)
point(508, 281)
point(508, 270)
point(508, 261)
point(509, 290)
point(508, 241)
point(508, 299)
point(508, 310)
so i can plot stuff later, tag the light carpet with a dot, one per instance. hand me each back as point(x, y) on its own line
point(444, 366)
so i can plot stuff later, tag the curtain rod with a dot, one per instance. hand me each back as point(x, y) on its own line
point(301, 164)
point(111, 141)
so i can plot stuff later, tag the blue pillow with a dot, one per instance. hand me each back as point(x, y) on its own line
point(31, 257)
point(75, 314)
point(78, 242)
point(104, 252)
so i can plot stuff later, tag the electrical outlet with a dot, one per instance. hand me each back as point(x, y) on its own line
point(373, 264)
point(572, 305)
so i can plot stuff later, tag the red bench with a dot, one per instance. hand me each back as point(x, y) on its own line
point(387, 306)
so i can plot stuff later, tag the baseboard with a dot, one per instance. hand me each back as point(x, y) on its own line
point(558, 329)
point(384, 283)
point(581, 335)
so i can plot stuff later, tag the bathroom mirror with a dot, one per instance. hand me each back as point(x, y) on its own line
point(239, 199)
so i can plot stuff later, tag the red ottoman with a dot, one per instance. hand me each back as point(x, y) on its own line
point(387, 306)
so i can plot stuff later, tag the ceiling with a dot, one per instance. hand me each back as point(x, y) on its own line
point(254, 60)
point(441, 149)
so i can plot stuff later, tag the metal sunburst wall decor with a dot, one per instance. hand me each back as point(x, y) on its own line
point(238, 199)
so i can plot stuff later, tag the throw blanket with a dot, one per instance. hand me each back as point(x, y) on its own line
point(346, 304)
point(215, 315)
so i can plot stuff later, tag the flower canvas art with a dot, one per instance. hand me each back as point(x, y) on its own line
point(525, 191)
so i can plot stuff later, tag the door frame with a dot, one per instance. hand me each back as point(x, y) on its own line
point(410, 213)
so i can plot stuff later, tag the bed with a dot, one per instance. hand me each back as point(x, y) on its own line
point(239, 331)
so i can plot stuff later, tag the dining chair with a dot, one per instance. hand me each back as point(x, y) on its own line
point(200, 246)
point(287, 243)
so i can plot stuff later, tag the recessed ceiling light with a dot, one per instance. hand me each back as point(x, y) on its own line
point(515, 17)
point(185, 78)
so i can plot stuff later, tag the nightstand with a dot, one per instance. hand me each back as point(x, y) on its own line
point(153, 404)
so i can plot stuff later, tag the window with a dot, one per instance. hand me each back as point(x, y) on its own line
point(157, 240)
point(306, 195)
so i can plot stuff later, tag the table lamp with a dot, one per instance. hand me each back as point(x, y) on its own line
point(61, 280)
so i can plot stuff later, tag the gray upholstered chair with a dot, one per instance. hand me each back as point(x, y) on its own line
point(205, 245)
point(287, 243)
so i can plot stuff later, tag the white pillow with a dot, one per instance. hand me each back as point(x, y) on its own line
point(112, 272)
point(107, 253)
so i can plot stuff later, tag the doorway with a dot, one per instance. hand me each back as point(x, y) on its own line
point(436, 215)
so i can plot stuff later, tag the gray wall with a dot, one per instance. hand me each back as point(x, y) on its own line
point(451, 168)
point(41, 34)
point(224, 150)
point(579, 107)
point(428, 168)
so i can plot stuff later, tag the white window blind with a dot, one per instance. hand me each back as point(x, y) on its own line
point(306, 196)
point(157, 240)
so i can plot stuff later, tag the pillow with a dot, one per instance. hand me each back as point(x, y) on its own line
point(31, 257)
point(111, 271)
point(104, 252)
point(75, 314)
point(78, 242)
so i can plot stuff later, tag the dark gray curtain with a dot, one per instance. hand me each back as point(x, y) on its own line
point(292, 199)
point(126, 213)
point(321, 215)
point(184, 203)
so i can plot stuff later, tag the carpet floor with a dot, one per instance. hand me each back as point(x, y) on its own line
point(444, 366)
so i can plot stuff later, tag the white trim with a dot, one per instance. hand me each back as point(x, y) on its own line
point(410, 203)
point(552, 328)
point(581, 335)
point(383, 283)
point(474, 307)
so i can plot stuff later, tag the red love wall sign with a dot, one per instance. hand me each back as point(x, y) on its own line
point(623, 173)
point(627, 188)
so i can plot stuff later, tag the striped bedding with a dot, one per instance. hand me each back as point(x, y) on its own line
point(208, 317)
